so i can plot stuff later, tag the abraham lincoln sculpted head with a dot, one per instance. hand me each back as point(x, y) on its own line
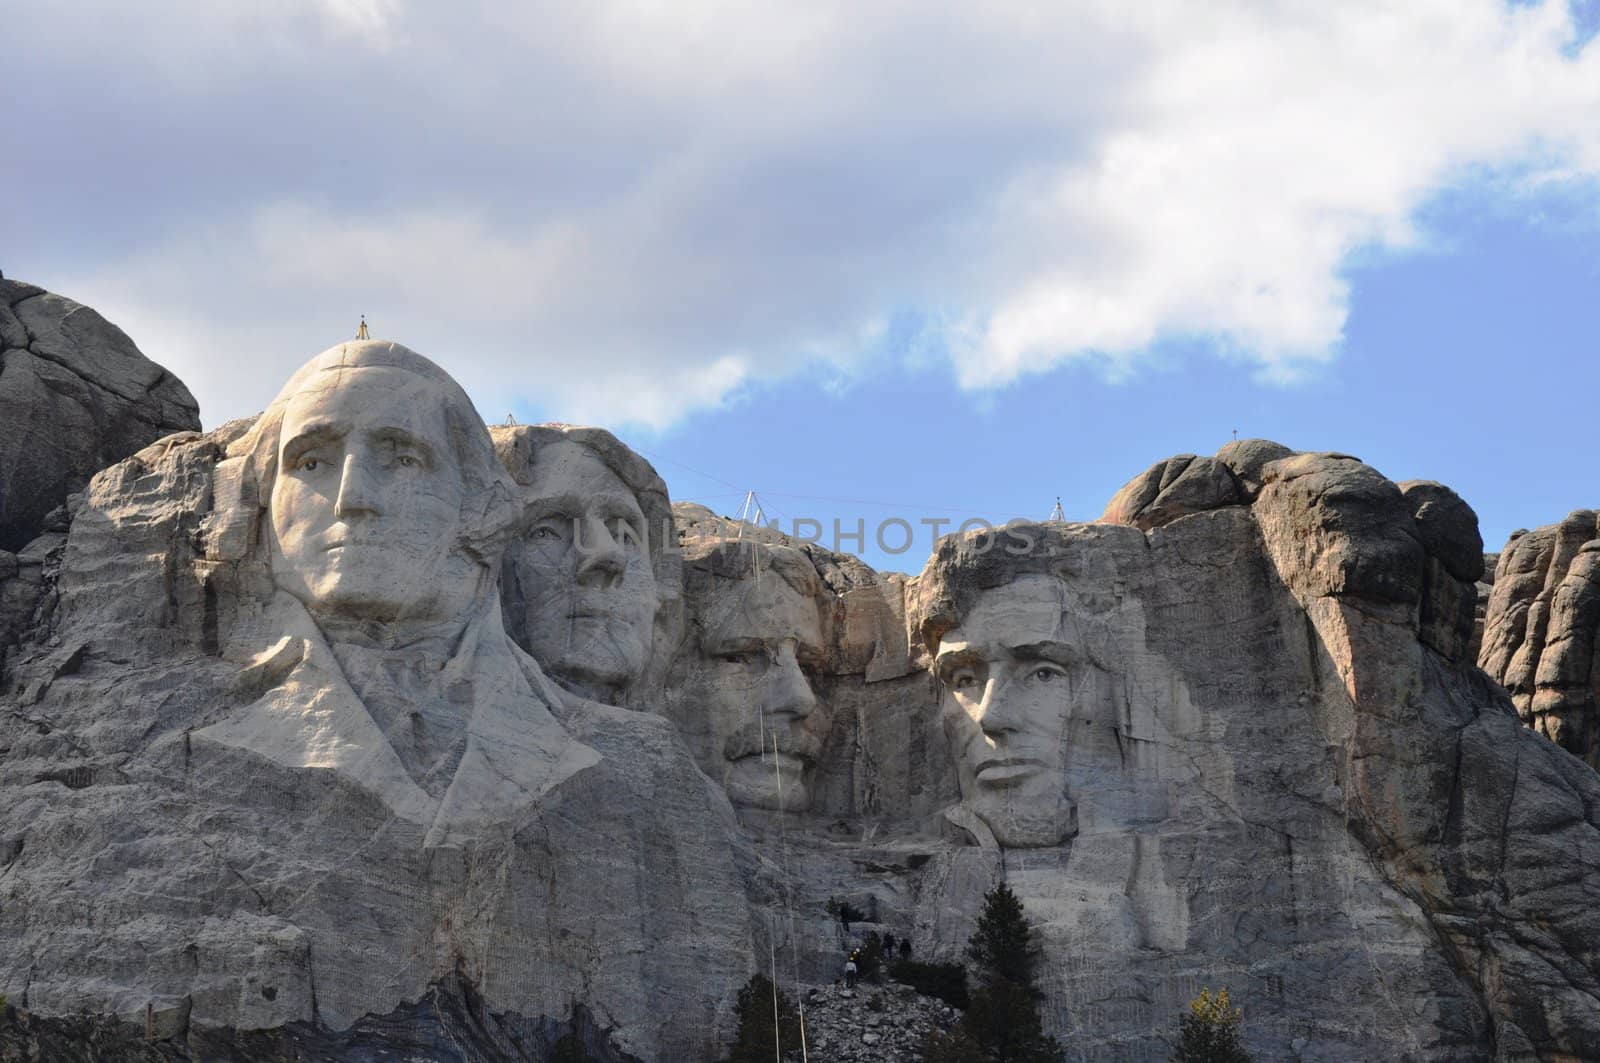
point(1027, 651)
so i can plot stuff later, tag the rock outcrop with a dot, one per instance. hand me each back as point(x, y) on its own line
point(202, 815)
point(274, 776)
point(75, 396)
point(1541, 628)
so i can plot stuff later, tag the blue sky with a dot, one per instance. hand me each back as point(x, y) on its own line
point(1475, 363)
point(937, 261)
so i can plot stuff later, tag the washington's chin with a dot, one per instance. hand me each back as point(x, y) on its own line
point(355, 601)
point(754, 782)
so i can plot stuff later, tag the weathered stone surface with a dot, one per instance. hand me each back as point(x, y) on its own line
point(274, 770)
point(75, 396)
point(277, 763)
point(1480, 609)
point(449, 1024)
point(1447, 527)
point(1171, 489)
point(1541, 627)
point(1248, 457)
point(1329, 784)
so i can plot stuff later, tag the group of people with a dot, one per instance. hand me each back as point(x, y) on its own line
point(870, 955)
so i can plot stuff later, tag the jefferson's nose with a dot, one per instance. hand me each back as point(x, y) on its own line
point(788, 693)
point(601, 562)
point(358, 490)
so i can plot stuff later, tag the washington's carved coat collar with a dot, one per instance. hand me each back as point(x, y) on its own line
point(302, 713)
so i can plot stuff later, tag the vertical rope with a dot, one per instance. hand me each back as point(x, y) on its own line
point(788, 903)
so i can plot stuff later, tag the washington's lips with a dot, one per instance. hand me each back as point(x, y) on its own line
point(999, 771)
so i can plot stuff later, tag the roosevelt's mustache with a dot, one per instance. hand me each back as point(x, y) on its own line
point(754, 739)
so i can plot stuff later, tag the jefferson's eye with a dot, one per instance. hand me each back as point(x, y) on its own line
point(624, 533)
point(406, 461)
point(542, 532)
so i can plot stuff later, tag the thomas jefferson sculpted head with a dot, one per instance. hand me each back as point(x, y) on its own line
point(585, 582)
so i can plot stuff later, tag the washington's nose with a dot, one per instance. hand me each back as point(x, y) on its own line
point(788, 692)
point(358, 490)
point(601, 562)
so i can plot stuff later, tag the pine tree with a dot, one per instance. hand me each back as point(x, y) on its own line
point(1002, 946)
point(569, 1050)
point(756, 1040)
point(1210, 1032)
point(1002, 1024)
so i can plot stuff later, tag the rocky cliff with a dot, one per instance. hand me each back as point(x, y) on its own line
point(1231, 734)
point(1540, 629)
point(76, 395)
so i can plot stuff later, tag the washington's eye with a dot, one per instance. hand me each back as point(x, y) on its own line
point(310, 464)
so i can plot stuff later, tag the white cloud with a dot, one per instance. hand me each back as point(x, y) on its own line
point(628, 210)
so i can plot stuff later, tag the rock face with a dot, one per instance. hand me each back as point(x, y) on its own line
point(279, 763)
point(356, 730)
point(75, 396)
point(1540, 630)
point(1312, 646)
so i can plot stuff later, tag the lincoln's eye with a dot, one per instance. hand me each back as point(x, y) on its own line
point(1048, 674)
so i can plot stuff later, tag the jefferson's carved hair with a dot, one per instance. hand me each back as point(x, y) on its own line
point(518, 447)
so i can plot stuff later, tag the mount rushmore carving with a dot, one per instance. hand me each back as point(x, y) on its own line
point(316, 712)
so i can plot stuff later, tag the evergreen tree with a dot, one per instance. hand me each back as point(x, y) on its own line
point(569, 1050)
point(1002, 1024)
point(1210, 1032)
point(756, 1040)
point(1002, 947)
